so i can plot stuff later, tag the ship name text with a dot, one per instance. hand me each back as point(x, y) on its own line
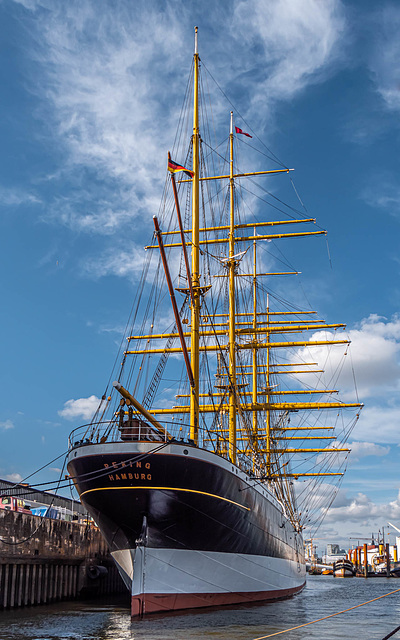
point(125, 475)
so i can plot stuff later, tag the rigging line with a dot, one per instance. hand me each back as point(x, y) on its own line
point(4, 493)
point(273, 206)
point(184, 106)
point(212, 197)
point(231, 383)
point(285, 204)
point(248, 144)
point(299, 199)
point(267, 531)
point(322, 517)
point(256, 184)
point(282, 259)
point(317, 501)
point(329, 487)
point(204, 554)
point(207, 275)
point(214, 150)
point(240, 116)
point(392, 633)
point(14, 544)
point(118, 356)
point(153, 298)
point(137, 304)
point(329, 253)
point(211, 109)
point(285, 264)
point(104, 472)
point(215, 413)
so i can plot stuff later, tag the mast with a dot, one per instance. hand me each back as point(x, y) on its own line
point(195, 305)
point(255, 359)
point(232, 309)
point(267, 398)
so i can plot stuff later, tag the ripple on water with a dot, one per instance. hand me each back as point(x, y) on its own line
point(110, 620)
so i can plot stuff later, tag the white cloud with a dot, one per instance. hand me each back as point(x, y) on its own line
point(385, 54)
point(6, 424)
point(299, 41)
point(363, 510)
point(383, 193)
point(106, 78)
point(373, 358)
point(113, 82)
point(122, 263)
point(13, 477)
point(16, 197)
point(375, 348)
point(85, 213)
point(353, 517)
point(380, 423)
point(365, 449)
point(81, 408)
point(28, 4)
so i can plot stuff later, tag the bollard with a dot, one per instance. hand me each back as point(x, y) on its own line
point(387, 560)
point(365, 561)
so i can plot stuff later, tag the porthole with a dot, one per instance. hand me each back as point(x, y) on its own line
point(185, 452)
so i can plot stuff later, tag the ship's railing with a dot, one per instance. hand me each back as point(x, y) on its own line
point(111, 431)
point(132, 431)
point(139, 431)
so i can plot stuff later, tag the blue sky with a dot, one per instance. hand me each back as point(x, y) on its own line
point(90, 94)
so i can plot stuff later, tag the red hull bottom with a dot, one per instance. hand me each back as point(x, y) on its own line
point(156, 603)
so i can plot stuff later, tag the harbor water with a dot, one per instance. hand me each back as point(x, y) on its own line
point(324, 595)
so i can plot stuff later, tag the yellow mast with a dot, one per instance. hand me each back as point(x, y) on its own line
point(195, 306)
point(232, 309)
point(255, 364)
point(268, 417)
point(260, 336)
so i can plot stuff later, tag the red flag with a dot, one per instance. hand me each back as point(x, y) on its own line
point(242, 132)
point(174, 167)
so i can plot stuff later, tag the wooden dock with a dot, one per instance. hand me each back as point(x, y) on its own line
point(44, 560)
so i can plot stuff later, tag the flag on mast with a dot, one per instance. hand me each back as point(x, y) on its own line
point(174, 167)
point(242, 132)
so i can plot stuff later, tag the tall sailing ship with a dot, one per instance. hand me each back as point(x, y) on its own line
point(203, 499)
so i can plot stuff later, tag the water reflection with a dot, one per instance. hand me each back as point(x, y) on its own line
point(110, 620)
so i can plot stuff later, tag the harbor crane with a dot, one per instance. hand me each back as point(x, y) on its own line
point(394, 527)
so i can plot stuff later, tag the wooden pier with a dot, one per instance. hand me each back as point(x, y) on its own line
point(44, 560)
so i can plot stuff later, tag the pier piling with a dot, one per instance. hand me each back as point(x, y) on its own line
point(387, 553)
point(53, 561)
point(365, 560)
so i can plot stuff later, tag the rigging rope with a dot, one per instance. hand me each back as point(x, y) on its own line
point(14, 544)
point(246, 123)
point(332, 615)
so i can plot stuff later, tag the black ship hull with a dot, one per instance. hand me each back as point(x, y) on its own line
point(206, 532)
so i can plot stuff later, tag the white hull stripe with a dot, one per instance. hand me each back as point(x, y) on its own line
point(175, 571)
point(170, 579)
